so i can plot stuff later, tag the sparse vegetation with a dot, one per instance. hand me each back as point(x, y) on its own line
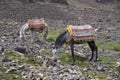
point(82, 62)
point(46, 52)
point(11, 76)
point(97, 75)
point(109, 46)
point(23, 59)
point(65, 59)
point(118, 69)
point(76, 12)
point(53, 34)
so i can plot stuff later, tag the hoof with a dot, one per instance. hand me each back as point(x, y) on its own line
point(95, 60)
point(72, 64)
point(55, 60)
point(90, 59)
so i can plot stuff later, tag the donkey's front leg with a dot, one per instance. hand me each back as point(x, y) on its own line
point(32, 37)
point(72, 51)
point(44, 36)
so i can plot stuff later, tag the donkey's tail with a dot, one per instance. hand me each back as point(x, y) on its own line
point(97, 29)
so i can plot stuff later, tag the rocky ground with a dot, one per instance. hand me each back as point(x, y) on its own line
point(14, 13)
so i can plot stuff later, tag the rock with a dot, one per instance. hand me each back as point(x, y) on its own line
point(21, 67)
point(85, 69)
point(12, 69)
point(100, 68)
point(6, 60)
point(118, 64)
point(20, 49)
point(77, 53)
point(30, 75)
point(1, 50)
point(41, 75)
point(44, 65)
point(109, 78)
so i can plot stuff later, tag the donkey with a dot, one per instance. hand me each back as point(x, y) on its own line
point(37, 25)
point(65, 37)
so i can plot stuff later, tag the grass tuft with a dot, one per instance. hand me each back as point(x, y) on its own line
point(109, 46)
point(53, 34)
point(118, 69)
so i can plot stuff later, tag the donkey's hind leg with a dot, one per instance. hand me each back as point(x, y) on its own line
point(96, 50)
point(93, 48)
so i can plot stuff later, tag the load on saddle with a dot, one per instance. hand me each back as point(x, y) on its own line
point(81, 33)
point(36, 24)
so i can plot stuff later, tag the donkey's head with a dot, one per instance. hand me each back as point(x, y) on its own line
point(62, 38)
point(56, 52)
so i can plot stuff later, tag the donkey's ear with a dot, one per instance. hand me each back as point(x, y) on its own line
point(65, 31)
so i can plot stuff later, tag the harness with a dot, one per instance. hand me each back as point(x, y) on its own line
point(82, 33)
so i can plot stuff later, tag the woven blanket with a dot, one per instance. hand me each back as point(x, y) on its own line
point(36, 21)
point(82, 32)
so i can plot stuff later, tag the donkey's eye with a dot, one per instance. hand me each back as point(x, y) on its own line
point(56, 47)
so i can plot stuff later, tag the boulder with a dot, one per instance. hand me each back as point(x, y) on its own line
point(20, 49)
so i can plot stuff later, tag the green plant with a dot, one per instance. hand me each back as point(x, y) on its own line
point(99, 75)
point(47, 52)
point(118, 69)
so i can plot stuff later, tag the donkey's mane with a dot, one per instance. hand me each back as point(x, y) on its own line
point(60, 38)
